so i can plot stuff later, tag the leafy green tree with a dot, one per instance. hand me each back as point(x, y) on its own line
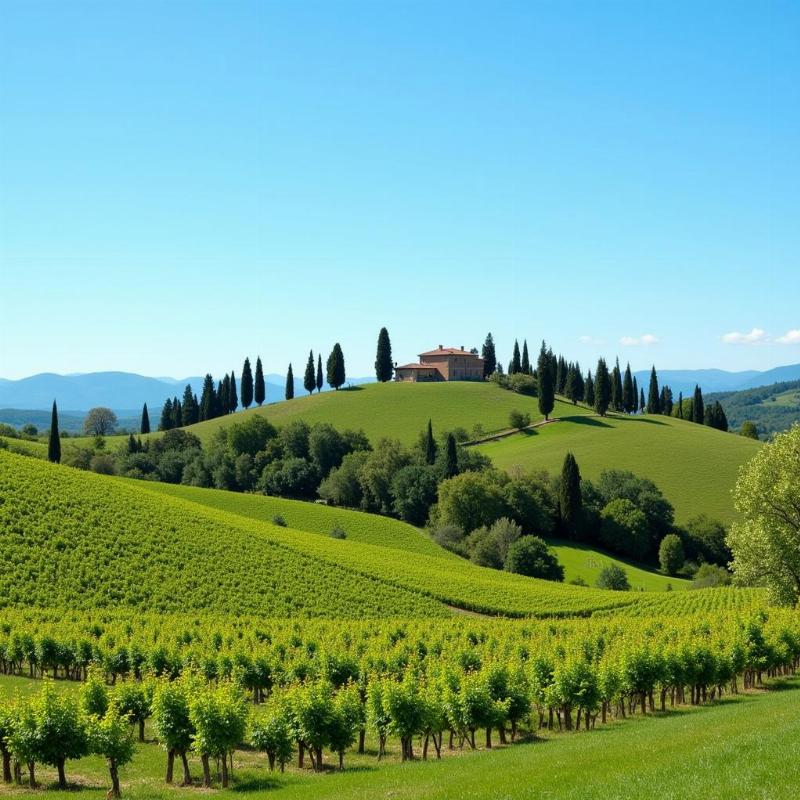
point(414, 492)
point(704, 540)
point(144, 426)
point(489, 356)
point(289, 391)
point(259, 387)
point(530, 556)
point(133, 699)
point(54, 442)
point(698, 407)
point(60, 729)
point(653, 397)
point(310, 377)
point(709, 576)
point(613, 577)
point(602, 388)
point(670, 554)
point(545, 388)
point(525, 361)
point(311, 709)
point(247, 385)
point(470, 500)
point(345, 721)
point(319, 373)
point(765, 540)
point(405, 709)
point(748, 429)
point(628, 396)
point(570, 504)
point(624, 529)
point(94, 695)
point(99, 421)
point(7, 721)
point(173, 725)
point(335, 367)
point(384, 366)
point(516, 361)
point(23, 742)
point(110, 736)
point(272, 734)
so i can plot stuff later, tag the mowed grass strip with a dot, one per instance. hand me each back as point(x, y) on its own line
point(694, 466)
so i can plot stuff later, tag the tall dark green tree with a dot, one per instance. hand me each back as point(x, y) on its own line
point(451, 457)
point(666, 405)
point(635, 396)
point(187, 407)
point(430, 445)
point(588, 390)
point(516, 361)
point(246, 385)
point(310, 377)
point(525, 361)
point(336, 373)
point(489, 356)
point(208, 399)
point(570, 505)
point(144, 426)
point(698, 407)
point(166, 416)
point(616, 388)
point(289, 391)
point(580, 387)
point(319, 372)
point(220, 399)
point(653, 398)
point(224, 395)
point(642, 404)
point(233, 397)
point(54, 442)
point(259, 387)
point(602, 388)
point(384, 366)
point(680, 405)
point(544, 382)
point(561, 376)
point(628, 397)
point(571, 389)
point(715, 416)
point(177, 413)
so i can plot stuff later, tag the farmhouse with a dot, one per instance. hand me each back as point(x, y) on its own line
point(442, 364)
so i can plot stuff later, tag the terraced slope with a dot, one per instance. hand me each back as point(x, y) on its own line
point(695, 466)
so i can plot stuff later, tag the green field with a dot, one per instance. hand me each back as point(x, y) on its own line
point(693, 465)
point(741, 747)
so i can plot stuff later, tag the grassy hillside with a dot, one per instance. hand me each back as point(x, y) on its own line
point(772, 408)
point(695, 466)
point(399, 410)
point(88, 540)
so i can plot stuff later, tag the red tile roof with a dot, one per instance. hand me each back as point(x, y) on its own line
point(448, 351)
point(418, 366)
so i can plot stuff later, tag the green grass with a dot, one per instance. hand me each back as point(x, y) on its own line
point(24, 447)
point(581, 561)
point(311, 517)
point(695, 466)
point(398, 410)
point(743, 746)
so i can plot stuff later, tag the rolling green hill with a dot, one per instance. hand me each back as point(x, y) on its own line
point(695, 466)
point(772, 408)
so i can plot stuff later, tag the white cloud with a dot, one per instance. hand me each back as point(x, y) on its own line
point(756, 336)
point(790, 337)
point(590, 340)
point(634, 341)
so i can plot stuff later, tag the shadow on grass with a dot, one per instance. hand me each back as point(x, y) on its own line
point(594, 422)
point(260, 783)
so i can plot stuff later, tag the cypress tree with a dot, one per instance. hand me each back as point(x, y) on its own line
point(580, 388)
point(177, 413)
point(451, 457)
point(166, 416)
point(635, 396)
point(653, 399)
point(310, 377)
point(569, 497)
point(289, 391)
point(561, 376)
point(207, 400)
point(680, 405)
point(233, 397)
point(246, 385)
point(220, 400)
point(588, 390)
point(544, 383)
point(54, 442)
point(525, 362)
point(602, 388)
point(698, 406)
point(259, 387)
point(489, 356)
point(384, 366)
point(571, 389)
point(616, 388)
point(336, 373)
point(516, 362)
point(196, 408)
point(225, 395)
point(144, 426)
point(719, 419)
point(666, 406)
point(187, 407)
point(430, 445)
point(553, 362)
point(628, 401)
point(641, 400)
point(319, 373)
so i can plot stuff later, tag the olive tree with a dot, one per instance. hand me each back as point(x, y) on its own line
point(765, 542)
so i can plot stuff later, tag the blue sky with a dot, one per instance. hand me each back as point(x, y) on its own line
point(186, 183)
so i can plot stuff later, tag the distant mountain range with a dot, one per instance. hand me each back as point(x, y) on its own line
point(124, 392)
point(718, 380)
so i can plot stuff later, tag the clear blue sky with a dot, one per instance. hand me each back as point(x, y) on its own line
point(186, 183)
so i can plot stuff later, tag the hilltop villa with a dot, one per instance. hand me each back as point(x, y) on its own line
point(442, 364)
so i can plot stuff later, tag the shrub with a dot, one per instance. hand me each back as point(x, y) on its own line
point(704, 539)
point(471, 500)
point(710, 575)
point(530, 556)
point(519, 419)
point(279, 521)
point(670, 554)
point(624, 530)
point(451, 537)
point(102, 463)
point(613, 577)
point(414, 491)
point(749, 430)
point(338, 533)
